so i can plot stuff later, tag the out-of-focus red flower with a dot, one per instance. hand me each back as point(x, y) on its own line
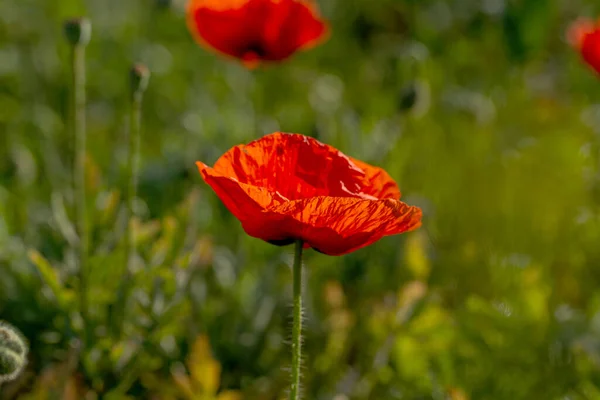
point(284, 187)
point(584, 35)
point(256, 30)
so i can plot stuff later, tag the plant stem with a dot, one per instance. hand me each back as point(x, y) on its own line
point(297, 327)
point(132, 171)
point(78, 113)
point(139, 76)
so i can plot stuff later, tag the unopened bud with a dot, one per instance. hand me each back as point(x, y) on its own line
point(13, 352)
point(139, 75)
point(78, 31)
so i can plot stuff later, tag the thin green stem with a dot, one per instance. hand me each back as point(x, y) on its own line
point(297, 327)
point(139, 76)
point(132, 171)
point(79, 129)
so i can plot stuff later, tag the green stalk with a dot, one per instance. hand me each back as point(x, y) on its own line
point(139, 80)
point(297, 327)
point(139, 76)
point(78, 59)
point(78, 32)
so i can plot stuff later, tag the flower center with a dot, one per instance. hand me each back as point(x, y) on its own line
point(253, 52)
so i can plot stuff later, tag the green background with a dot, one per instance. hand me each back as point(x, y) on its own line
point(480, 110)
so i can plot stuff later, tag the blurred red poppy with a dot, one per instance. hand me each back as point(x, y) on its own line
point(256, 30)
point(284, 187)
point(584, 35)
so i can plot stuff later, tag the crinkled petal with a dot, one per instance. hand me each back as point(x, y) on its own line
point(335, 225)
point(296, 166)
point(245, 202)
point(379, 183)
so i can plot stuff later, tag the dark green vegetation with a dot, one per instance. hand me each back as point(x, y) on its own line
point(482, 113)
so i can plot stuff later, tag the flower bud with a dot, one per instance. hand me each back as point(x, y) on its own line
point(139, 75)
point(13, 352)
point(78, 31)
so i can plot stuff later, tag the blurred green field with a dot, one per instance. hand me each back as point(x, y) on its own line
point(479, 109)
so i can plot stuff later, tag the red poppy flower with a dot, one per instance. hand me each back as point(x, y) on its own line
point(256, 30)
point(584, 35)
point(284, 187)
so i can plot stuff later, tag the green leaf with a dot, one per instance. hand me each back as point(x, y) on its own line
point(50, 277)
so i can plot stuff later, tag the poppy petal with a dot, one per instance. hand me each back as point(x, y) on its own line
point(255, 30)
point(298, 166)
point(245, 202)
point(286, 187)
point(584, 35)
point(293, 25)
point(231, 27)
point(578, 31)
point(590, 49)
point(336, 225)
point(379, 183)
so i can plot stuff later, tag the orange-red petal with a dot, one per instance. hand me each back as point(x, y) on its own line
point(584, 35)
point(379, 183)
point(244, 201)
point(285, 187)
point(335, 225)
point(255, 30)
point(578, 30)
point(292, 25)
point(298, 166)
point(590, 50)
point(224, 26)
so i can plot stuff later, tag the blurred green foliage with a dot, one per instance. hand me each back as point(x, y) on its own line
point(479, 109)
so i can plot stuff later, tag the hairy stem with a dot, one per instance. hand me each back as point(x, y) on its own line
point(297, 327)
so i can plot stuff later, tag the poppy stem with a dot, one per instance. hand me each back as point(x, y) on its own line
point(139, 79)
point(138, 76)
point(77, 32)
point(78, 59)
point(297, 327)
